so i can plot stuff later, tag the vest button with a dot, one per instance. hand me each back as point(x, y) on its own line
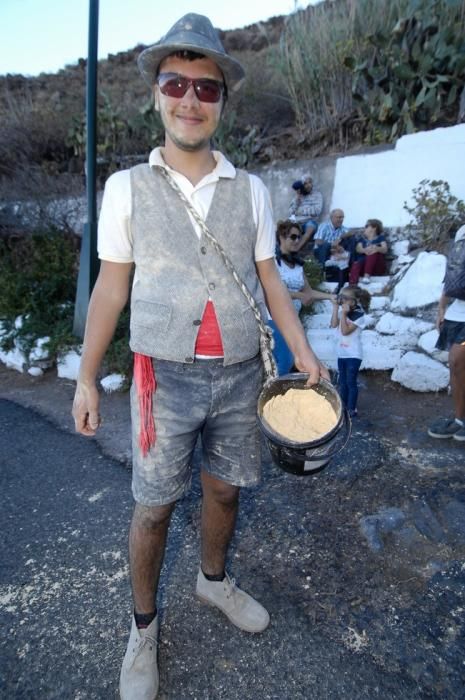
point(211, 285)
point(197, 322)
point(188, 359)
point(203, 250)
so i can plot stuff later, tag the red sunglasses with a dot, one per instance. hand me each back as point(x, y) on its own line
point(175, 85)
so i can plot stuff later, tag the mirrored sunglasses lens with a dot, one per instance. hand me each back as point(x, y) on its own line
point(207, 90)
point(173, 87)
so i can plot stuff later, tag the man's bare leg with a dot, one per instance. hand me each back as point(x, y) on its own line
point(457, 378)
point(147, 539)
point(219, 511)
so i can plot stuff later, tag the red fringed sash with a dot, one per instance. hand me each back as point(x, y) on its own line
point(144, 376)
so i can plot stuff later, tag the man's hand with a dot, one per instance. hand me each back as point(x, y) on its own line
point(308, 362)
point(86, 409)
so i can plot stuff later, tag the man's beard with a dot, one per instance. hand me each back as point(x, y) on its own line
point(189, 147)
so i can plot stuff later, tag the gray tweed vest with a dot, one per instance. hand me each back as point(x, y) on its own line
point(176, 272)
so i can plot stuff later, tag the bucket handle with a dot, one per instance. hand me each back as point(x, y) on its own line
point(347, 427)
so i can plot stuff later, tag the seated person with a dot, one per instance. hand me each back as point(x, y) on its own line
point(306, 208)
point(291, 270)
point(328, 233)
point(370, 253)
point(337, 265)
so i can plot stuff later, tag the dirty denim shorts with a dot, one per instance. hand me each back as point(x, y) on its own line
point(451, 332)
point(207, 399)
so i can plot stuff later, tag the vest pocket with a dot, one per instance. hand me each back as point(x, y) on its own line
point(150, 314)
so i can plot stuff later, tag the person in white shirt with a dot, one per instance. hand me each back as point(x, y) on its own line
point(348, 318)
point(198, 371)
point(451, 325)
point(291, 270)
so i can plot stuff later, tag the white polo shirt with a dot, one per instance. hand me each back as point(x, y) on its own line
point(114, 228)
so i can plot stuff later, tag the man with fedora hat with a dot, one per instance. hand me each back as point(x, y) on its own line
point(197, 367)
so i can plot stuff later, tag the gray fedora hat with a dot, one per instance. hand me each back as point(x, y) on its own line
point(192, 33)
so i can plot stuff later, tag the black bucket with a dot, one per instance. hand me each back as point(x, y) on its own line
point(304, 458)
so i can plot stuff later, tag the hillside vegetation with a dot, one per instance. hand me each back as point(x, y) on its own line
point(321, 80)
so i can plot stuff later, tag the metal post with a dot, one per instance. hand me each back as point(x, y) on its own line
point(89, 264)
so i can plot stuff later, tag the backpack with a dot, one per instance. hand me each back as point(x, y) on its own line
point(454, 281)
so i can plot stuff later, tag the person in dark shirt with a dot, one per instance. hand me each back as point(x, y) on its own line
point(370, 253)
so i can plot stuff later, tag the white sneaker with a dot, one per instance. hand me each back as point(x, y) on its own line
point(139, 672)
point(239, 607)
point(365, 279)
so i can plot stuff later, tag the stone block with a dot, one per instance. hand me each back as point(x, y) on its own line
point(380, 351)
point(419, 372)
point(422, 283)
point(68, 365)
point(112, 382)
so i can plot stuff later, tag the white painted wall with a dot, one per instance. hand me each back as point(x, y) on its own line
point(377, 184)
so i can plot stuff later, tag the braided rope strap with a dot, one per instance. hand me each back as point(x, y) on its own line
point(266, 334)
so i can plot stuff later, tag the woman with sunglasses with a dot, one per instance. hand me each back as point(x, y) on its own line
point(291, 270)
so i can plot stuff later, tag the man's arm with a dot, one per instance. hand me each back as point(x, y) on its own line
point(294, 205)
point(285, 316)
point(106, 303)
point(320, 234)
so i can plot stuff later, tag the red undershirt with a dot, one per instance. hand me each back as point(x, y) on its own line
point(209, 341)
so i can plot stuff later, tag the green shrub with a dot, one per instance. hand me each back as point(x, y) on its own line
point(436, 213)
point(38, 283)
point(118, 357)
point(412, 70)
point(313, 272)
point(314, 275)
point(380, 69)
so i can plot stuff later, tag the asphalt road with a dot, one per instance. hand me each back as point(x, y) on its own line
point(64, 588)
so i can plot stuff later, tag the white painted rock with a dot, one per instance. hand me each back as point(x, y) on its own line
point(420, 373)
point(68, 365)
point(380, 351)
point(376, 285)
point(112, 382)
point(13, 359)
point(323, 306)
point(400, 262)
point(407, 328)
point(379, 304)
point(422, 283)
point(39, 352)
point(427, 342)
point(35, 371)
point(400, 248)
